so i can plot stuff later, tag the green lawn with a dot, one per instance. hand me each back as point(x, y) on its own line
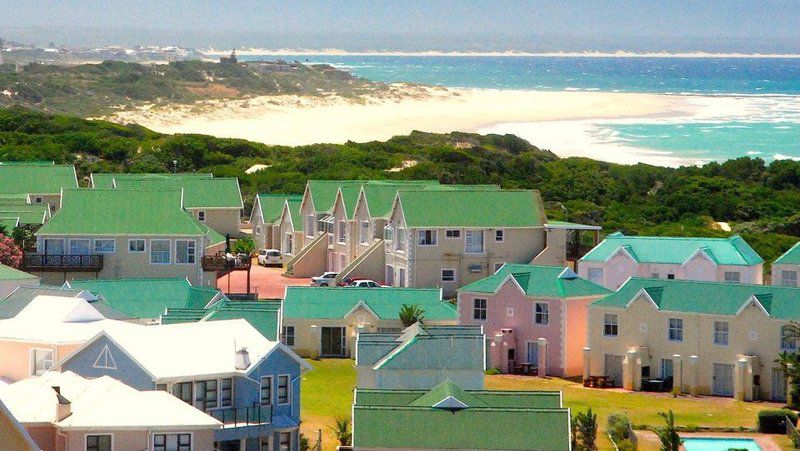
point(327, 391)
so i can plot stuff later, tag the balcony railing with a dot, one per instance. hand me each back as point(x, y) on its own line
point(59, 263)
point(222, 263)
point(232, 417)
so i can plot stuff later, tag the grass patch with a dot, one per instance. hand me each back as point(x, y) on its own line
point(325, 393)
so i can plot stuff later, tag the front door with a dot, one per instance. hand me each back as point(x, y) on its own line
point(389, 279)
point(723, 380)
point(778, 385)
point(614, 370)
point(53, 246)
point(332, 342)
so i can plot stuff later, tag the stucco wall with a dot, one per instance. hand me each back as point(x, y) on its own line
point(15, 357)
point(223, 220)
point(138, 440)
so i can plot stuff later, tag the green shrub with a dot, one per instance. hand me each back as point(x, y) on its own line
point(626, 445)
point(773, 421)
point(795, 438)
point(618, 426)
point(493, 371)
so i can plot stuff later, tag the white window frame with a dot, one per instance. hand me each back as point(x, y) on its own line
point(113, 246)
point(722, 333)
point(785, 279)
point(32, 360)
point(144, 246)
point(400, 241)
point(288, 390)
point(201, 215)
point(467, 239)
point(452, 234)
point(272, 389)
point(74, 240)
point(501, 236)
point(281, 434)
point(341, 231)
point(476, 309)
point(677, 329)
point(510, 311)
point(190, 434)
point(310, 219)
point(731, 273)
point(792, 347)
point(545, 313)
point(423, 233)
point(613, 324)
point(363, 232)
point(285, 334)
point(453, 279)
point(220, 401)
point(597, 277)
point(169, 248)
point(86, 439)
point(388, 233)
point(190, 245)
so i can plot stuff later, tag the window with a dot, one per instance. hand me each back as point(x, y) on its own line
point(426, 237)
point(675, 332)
point(96, 442)
point(473, 241)
point(400, 243)
point(185, 252)
point(610, 324)
point(310, 225)
point(283, 389)
point(667, 369)
point(595, 275)
point(201, 215)
point(721, 333)
point(789, 278)
point(387, 233)
point(161, 387)
point(37, 199)
point(136, 246)
point(225, 392)
point(510, 311)
point(455, 233)
point(479, 309)
point(172, 442)
point(497, 266)
point(542, 313)
point(671, 276)
point(183, 391)
point(363, 235)
point(499, 235)
point(41, 361)
point(104, 246)
point(288, 243)
point(258, 230)
point(205, 394)
point(401, 277)
point(266, 390)
point(788, 343)
point(288, 335)
point(732, 276)
point(654, 275)
point(160, 253)
point(79, 247)
point(342, 231)
point(448, 275)
point(285, 441)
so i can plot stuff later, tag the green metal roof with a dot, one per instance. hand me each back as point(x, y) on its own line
point(323, 192)
point(717, 298)
point(36, 178)
point(27, 214)
point(198, 192)
point(337, 302)
point(448, 417)
point(262, 315)
point(472, 208)
point(9, 273)
point(13, 199)
point(380, 197)
point(544, 281)
point(676, 250)
point(790, 257)
point(9, 224)
point(106, 180)
point(147, 298)
point(90, 212)
point(272, 205)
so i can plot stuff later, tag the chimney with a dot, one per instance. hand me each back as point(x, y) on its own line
point(242, 359)
point(64, 407)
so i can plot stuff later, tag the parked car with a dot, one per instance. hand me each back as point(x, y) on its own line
point(364, 283)
point(270, 257)
point(327, 279)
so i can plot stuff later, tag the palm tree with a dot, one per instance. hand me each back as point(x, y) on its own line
point(670, 440)
point(410, 314)
point(341, 430)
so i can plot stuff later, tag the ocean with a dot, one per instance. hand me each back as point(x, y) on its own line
point(744, 106)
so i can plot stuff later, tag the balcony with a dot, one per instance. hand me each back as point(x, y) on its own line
point(62, 263)
point(222, 263)
point(232, 417)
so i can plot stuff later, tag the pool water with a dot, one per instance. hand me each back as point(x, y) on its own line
point(719, 444)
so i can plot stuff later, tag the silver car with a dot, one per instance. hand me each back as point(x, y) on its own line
point(270, 257)
point(327, 279)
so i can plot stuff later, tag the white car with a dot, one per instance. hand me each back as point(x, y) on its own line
point(327, 279)
point(270, 257)
point(365, 283)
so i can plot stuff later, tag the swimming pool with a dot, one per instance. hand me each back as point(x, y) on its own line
point(719, 444)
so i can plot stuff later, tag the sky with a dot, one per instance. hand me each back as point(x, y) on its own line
point(772, 25)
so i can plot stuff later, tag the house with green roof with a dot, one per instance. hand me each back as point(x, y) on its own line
point(265, 220)
point(619, 257)
point(696, 337)
point(421, 357)
point(324, 321)
point(11, 279)
point(450, 417)
point(535, 317)
point(16, 215)
point(18, 299)
point(123, 234)
point(786, 268)
point(263, 315)
point(39, 182)
point(147, 299)
point(214, 201)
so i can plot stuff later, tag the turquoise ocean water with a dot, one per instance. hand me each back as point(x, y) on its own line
point(746, 106)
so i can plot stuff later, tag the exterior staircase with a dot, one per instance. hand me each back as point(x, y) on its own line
point(371, 264)
point(311, 260)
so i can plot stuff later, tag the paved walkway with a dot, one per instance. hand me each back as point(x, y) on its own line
point(269, 283)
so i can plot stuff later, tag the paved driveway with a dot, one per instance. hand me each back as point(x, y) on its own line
point(269, 283)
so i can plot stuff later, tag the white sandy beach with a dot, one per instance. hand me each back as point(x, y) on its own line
point(292, 120)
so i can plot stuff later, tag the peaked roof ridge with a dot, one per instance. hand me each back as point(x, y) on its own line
point(445, 390)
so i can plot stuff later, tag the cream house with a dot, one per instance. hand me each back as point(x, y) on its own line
point(702, 338)
point(35, 182)
point(119, 233)
point(619, 257)
point(266, 219)
point(786, 268)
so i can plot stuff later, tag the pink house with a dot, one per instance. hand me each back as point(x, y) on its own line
point(535, 318)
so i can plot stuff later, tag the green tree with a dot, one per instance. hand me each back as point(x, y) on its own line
point(244, 245)
point(410, 314)
point(341, 430)
point(668, 434)
point(586, 430)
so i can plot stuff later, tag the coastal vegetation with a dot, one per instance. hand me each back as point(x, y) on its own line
point(757, 200)
point(96, 89)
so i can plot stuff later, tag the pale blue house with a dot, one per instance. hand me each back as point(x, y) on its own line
point(421, 357)
point(225, 368)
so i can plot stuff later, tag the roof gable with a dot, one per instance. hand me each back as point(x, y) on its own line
point(536, 280)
